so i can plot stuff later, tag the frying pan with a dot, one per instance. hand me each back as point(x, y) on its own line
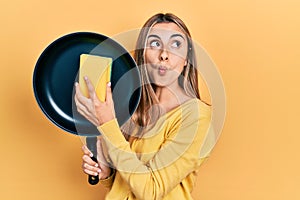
point(57, 70)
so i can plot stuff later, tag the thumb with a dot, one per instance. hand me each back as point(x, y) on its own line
point(108, 92)
point(100, 157)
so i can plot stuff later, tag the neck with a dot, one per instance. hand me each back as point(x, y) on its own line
point(171, 96)
point(165, 94)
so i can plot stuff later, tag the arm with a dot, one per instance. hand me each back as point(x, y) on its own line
point(87, 108)
point(178, 156)
point(160, 175)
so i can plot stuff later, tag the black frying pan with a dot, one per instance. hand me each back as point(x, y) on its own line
point(57, 70)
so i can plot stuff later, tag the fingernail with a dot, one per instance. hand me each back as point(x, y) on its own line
point(85, 78)
point(76, 83)
point(96, 165)
point(96, 174)
point(109, 84)
point(91, 155)
point(99, 171)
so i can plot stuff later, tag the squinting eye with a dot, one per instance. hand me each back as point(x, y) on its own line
point(154, 44)
point(176, 44)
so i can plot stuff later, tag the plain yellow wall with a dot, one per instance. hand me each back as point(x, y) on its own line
point(253, 43)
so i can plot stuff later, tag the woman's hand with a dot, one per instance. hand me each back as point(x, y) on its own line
point(92, 108)
point(90, 167)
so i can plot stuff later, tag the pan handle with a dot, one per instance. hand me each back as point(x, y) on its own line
point(91, 143)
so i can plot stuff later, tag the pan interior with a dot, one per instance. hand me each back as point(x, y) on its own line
point(57, 70)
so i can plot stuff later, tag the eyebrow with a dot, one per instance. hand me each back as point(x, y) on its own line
point(174, 35)
point(156, 36)
point(177, 35)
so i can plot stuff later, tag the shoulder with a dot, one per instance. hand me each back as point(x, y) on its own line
point(195, 108)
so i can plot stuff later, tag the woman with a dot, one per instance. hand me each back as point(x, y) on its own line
point(156, 154)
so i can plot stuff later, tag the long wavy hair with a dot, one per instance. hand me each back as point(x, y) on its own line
point(147, 113)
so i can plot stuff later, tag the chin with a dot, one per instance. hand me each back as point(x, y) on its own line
point(161, 84)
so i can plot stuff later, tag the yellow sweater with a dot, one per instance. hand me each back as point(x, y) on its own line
point(164, 162)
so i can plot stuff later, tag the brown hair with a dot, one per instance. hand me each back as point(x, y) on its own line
point(143, 116)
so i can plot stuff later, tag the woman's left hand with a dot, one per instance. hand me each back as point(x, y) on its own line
point(92, 108)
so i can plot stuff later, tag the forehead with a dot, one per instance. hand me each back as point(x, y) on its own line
point(166, 28)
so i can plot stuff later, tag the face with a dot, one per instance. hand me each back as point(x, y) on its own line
point(165, 54)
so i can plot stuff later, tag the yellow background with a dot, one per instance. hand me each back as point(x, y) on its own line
point(255, 45)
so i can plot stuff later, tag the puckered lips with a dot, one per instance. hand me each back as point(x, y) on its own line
point(162, 70)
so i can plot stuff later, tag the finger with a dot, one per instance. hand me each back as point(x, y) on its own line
point(90, 87)
point(81, 108)
point(88, 160)
point(80, 100)
point(77, 89)
point(85, 110)
point(108, 92)
point(91, 168)
point(89, 172)
point(78, 93)
point(85, 105)
point(86, 151)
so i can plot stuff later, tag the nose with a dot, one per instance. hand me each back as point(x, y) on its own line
point(164, 56)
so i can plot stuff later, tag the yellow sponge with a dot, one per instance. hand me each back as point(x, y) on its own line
point(98, 70)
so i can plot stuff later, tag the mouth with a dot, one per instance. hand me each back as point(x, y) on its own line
point(162, 70)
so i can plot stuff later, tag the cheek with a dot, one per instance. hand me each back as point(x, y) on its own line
point(179, 56)
point(150, 56)
point(178, 63)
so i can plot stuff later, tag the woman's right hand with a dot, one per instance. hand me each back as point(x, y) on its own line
point(93, 168)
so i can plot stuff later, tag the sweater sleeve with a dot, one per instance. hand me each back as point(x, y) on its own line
point(109, 180)
point(177, 157)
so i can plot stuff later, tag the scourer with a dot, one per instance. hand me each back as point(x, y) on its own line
point(98, 70)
